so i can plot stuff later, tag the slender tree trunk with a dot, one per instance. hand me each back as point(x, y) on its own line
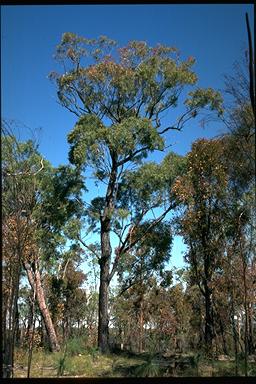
point(208, 262)
point(17, 326)
point(235, 340)
point(246, 317)
point(31, 335)
point(30, 317)
point(250, 325)
point(104, 262)
point(54, 345)
point(10, 321)
point(234, 328)
point(209, 332)
point(141, 323)
point(35, 282)
point(224, 344)
point(231, 291)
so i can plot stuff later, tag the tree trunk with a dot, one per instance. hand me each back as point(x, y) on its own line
point(251, 332)
point(31, 335)
point(10, 321)
point(209, 333)
point(141, 329)
point(103, 332)
point(30, 317)
point(224, 343)
point(246, 350)
point(104, 262)
point(35, 282)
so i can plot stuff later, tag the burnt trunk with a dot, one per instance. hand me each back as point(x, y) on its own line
point(34, 278)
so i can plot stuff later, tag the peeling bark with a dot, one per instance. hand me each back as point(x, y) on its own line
point(34, 279)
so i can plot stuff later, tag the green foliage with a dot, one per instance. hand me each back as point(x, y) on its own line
point(90, 139)
point(119, 95)
point(60, 194)
point(67, 299)
point(201, 97)
point(22, 175)
point(150, 185)
point(61, 363)
point(77, 345)
point(155, 73)
point(48, 198)
point(150, 254)
point(85, 140)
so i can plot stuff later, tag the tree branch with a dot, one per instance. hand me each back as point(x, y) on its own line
point(152, 225)
point(130, 157)
point(88, 247)
point(28, 173)
point(123, 249)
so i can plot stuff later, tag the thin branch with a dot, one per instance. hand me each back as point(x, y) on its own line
point(42, 167)
point(169, 128)
point(131, 284)
point(65, 268)
point(123, 249)
point(69, 109)
point(27, 173)
point(152, 225)
point(88, 247)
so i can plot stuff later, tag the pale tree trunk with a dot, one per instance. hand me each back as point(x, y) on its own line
point(34, 278)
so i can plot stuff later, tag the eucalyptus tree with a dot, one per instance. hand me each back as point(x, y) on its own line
point(22, 167)
point(203, 191)
point(20, 164)
point(142, 263)
point(120, 96)
point(36, 211)
point(217, 225)
point(51, 222)
point(239, 118)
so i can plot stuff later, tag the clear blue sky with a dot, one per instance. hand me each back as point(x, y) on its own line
point(214, 34)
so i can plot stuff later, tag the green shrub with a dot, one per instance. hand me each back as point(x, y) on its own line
point(79, 365)
point(94, 352)
point(76, 345)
